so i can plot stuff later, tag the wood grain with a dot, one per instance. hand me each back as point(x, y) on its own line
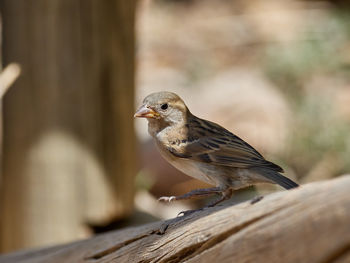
point(308, 224)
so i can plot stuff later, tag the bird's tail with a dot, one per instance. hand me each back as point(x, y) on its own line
point(276, 178)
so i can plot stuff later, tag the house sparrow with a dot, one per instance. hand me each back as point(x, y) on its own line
point(205, 150)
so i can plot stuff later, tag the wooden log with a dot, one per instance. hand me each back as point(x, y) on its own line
point(308, 224)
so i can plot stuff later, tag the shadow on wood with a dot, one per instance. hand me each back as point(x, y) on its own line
point(308, 224)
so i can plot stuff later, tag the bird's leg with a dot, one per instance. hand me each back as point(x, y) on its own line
point(192, 194)
point(226, 194)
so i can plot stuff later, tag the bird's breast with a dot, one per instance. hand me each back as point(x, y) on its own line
point(187, 166)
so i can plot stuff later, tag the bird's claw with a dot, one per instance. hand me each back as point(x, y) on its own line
point(162, 228)
point(256, 199)
point(188, 212)
point(167, 199)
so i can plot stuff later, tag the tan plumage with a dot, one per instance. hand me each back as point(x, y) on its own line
point(205, 150)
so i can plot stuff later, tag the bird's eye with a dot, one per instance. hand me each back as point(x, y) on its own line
point(164, 106)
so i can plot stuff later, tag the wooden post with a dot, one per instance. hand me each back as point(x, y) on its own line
point(68, 155)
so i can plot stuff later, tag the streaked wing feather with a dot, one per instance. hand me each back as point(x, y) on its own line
point(221, 147)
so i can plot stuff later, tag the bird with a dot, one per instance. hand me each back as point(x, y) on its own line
point(205, 150)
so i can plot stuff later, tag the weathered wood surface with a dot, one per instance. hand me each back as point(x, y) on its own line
point(309, 224)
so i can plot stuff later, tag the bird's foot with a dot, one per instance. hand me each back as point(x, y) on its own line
point(171, 222)
point(167, 199)
point(256, 199)
point(163, 228)
point(188, 212)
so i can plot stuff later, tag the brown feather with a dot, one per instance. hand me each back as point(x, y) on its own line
point(220, 147)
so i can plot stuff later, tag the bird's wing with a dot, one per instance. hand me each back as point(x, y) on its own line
point(211, 143)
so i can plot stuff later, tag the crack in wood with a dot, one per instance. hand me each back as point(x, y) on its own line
point(113, 249)
point(198, 248)
point(186, 253)
point(294, 220)
point(337, 254)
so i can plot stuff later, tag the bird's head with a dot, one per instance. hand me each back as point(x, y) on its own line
point(164, 107)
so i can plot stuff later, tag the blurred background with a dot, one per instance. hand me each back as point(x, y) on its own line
point(74, 162)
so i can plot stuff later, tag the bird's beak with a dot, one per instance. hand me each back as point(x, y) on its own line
point(146, 112)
